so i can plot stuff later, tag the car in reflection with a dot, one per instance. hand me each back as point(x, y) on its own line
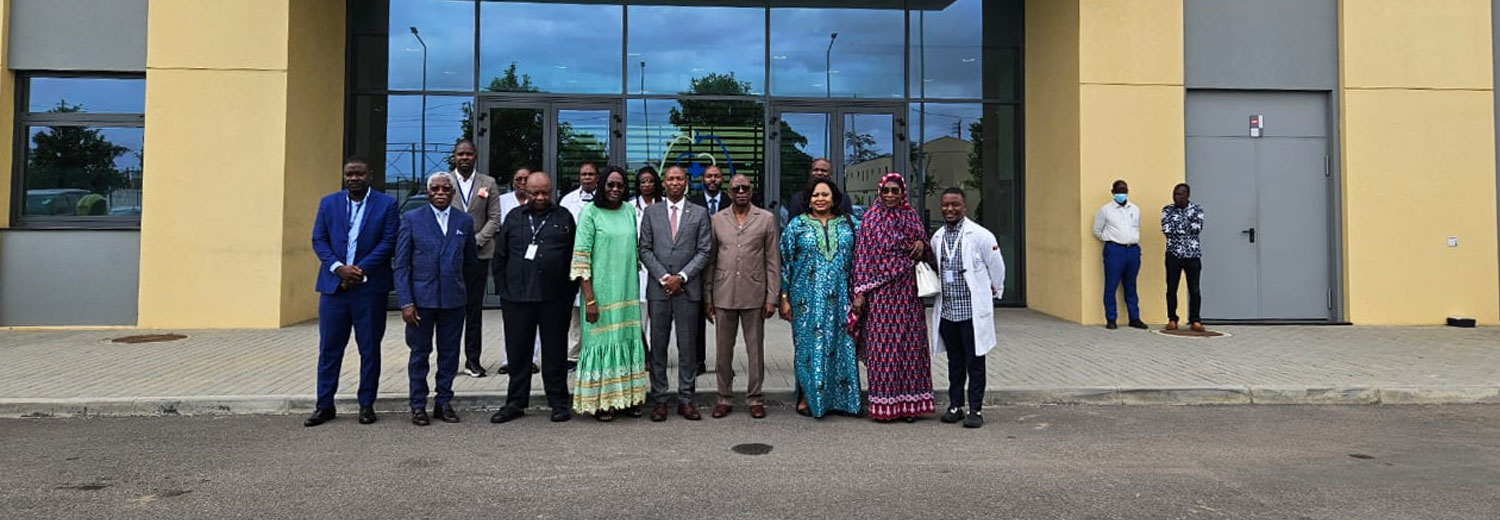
point(414, 202)
point(56, 201)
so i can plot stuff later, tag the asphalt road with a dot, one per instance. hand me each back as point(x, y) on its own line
point(1362, 462)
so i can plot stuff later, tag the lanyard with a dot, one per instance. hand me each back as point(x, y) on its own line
point(357, 211)
point(949, 252)
point(531, 221)
point(459, 185)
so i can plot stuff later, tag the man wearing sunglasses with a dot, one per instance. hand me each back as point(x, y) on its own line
point(822, 168)
point(741, 286)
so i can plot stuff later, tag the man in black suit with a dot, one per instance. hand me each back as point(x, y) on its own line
point(714, 200)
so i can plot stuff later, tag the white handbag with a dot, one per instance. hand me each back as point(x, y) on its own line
point(928, 284)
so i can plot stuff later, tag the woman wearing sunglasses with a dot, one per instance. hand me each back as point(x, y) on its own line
point(894, 329)
point(612, 363)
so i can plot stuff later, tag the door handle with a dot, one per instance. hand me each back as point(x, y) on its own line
point(1250, 232)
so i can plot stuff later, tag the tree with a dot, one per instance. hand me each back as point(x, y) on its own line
point(861, 147)
point(74, 157)
point(520, 129)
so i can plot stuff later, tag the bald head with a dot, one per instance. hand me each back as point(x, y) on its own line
point(740, 192)
point(539, 188)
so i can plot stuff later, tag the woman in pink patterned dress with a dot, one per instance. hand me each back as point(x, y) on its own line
point(894, 332)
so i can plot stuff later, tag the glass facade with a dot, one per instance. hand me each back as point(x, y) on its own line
point(930, 88)
point(81, 164)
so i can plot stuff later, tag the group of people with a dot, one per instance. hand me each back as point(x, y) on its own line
point(1118, 225)
point(599, 283)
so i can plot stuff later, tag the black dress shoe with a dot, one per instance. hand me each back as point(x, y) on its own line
point(504, 369)
point(974, 420)
point(1138, 324)
point(445, 414)
point(561, 414)
point(319, 416)
point(474, 370)
point(507, 414)
point(1111, 325)
point(366, 415)
point(419, 417)
point(954, 415)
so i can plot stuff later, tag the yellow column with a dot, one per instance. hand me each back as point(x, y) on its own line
point(1418, 161)
point(7, 112)
point(244, 111)
point(1104, 97)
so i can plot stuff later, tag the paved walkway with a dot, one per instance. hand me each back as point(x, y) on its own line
point(1040, 360)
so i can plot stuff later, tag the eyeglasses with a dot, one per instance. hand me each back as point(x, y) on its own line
point(739, 189)
point(440, 189)
point(893, 190)
point(620, 185)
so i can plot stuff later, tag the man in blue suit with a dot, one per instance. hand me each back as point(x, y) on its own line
point(354, 236)
point(434, 248)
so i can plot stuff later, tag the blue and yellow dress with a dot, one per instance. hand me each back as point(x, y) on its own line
point(816, 268)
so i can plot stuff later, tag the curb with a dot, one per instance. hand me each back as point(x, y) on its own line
point(1003, 396)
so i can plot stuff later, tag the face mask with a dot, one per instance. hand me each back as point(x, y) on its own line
point(1120, 198)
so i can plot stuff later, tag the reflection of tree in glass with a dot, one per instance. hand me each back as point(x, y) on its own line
point(861, 147)
point(516, 135)
point(74, 157)
point(740, 124)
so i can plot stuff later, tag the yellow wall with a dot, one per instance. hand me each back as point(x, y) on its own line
point(239, 127)
point(7, 112)
point(1418, 161)
point(1104, 97)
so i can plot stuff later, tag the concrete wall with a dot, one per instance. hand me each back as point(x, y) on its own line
point(1264, 44)
point(1112, 109)
point(1418, 151)
point(69, 277)
point(266, 76)
point(86, 35)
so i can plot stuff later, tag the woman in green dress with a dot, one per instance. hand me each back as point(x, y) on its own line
point(612, 363)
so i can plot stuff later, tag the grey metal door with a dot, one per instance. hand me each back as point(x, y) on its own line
point(1267, 240)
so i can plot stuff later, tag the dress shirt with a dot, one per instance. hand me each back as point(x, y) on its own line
point(356, 221)
point(575, 200)
point(1118, 223)
point(465, 188)
point(508, 202)
point(442, 217)
point(958, 304)
point(1182, 226)
point(680, 207)
point(713, 203)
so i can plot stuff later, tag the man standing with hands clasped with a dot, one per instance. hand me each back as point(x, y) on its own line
point(963, 315)
point(1118, 226)
point(742, 287)
point(674, 246)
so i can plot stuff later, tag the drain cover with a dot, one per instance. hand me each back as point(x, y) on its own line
point(149, 338)
point(753, 448)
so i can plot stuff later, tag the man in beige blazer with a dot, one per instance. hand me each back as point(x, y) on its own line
point(478, 195)
point(742, 287)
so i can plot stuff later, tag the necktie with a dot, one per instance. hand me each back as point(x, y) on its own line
point(674, 223)
point(713, 205)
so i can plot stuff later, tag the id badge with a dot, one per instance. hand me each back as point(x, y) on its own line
point(948, 276)
point(531, 252)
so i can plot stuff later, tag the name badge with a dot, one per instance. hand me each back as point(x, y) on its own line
point(531, 252)
point(947, 276)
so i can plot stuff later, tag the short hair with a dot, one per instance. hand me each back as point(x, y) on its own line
point(1116, 185)
point(588, 163)
point(438, 175)
point(838, 196)
point(672, 166)
point(1184, 186)
point(955, 190)
point(465, 141)
point(355, 159)
point(820, 159)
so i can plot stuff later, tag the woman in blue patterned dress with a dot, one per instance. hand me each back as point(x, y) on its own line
point(817, 249)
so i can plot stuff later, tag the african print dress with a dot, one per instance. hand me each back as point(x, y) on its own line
point(612, 361)
point(815, 263)
point(895, 328)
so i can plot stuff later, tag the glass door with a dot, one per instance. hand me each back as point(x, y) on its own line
point(863, 143)
point(552, 135)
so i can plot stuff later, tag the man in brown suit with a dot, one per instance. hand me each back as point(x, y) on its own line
point(476, 194)
point(742, 288)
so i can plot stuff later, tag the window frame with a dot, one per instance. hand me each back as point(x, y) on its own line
point(21, 147)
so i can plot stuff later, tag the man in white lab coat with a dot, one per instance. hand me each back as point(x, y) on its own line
point(963, 315)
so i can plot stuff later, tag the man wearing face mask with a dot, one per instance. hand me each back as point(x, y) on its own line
point(1118, 226)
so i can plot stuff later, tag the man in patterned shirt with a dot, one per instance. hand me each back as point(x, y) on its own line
point(1182, 222)
point(963, 315)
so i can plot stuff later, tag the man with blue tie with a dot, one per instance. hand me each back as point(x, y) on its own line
point(434, 249)
point(354, 236)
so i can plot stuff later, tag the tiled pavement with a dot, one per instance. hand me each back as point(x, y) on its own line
point(1039, 360)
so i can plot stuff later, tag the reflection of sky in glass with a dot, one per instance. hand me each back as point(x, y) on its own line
point(934, 120)
point(813, 126)
point(564, 48)
point(404, 130)
point(125, 96)
point(679, 44)
point(880, 127)
point(865, 61)
point(947, 46)
point(448, 28)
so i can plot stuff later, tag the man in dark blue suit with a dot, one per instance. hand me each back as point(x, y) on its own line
point(433, 249)
point(354, 236)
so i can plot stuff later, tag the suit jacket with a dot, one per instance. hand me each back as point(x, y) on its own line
point(745, 269)
point(376, 241)
point(429, 264)
point(701, 200)
point(663, 256)
point(484, 208)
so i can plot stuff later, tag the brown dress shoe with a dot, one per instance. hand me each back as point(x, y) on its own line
point(660, 413)
point(687, 411)
point(758, 411)
point(1172, 325)
point(722, 410)
point(1197, 327)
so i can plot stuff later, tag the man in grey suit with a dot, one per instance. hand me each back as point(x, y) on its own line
point(478, 195)
point(674, 246)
